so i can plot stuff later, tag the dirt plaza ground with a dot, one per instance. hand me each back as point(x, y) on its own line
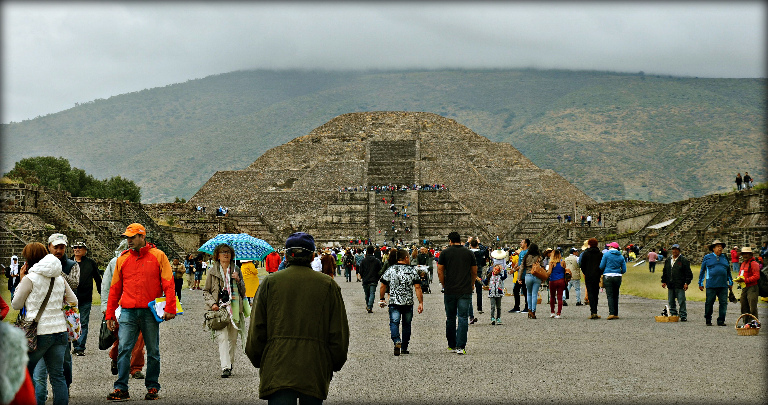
point(569, 360)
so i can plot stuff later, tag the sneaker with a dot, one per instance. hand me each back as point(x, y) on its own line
point(119, 395)
point(683, 319)
point(474, 320)
point(565, 303)
point(612, 317)
point(114, 367)
point(226, 373)
point(552, 315)
point(404, 351)
point(493, 321)
point(78, 352)
point(557, 316)
point(479, 311)
point(370, 311)
point(451, 350)
point(138, 375)
point(709, 323)
point(578, 304)
point(594, 316)
point(514, 310)
point(498, 321)
point(397, 349)
point(461, 351)
point(151, 394)
point(721, 324)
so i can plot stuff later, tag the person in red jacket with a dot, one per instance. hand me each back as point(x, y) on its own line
point(142, 273)
point(735, 259)
point(272, 262)
point(749, 274)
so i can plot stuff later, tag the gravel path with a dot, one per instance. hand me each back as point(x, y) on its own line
point(568, 360)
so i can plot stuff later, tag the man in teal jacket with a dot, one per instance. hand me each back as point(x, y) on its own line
point(716, 269)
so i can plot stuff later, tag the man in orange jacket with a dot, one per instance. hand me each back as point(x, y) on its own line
point(142, 273)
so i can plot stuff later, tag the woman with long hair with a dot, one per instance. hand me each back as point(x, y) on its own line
point(41, 276)
point(556, 283)
point(225, 288)
point(532, 283)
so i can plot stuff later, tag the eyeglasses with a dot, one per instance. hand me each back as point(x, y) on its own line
point(225, 252)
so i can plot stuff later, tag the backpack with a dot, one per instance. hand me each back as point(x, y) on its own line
point(349, 261)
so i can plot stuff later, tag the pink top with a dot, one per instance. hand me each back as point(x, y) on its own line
point(652, 256)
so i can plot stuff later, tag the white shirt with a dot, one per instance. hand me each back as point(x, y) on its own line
point(316, 264)
point(14, 266)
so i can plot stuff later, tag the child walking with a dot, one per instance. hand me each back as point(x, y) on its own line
point(495, 282)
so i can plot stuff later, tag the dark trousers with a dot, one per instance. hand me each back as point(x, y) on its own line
point(612, 285)
point(519, 289)
point(721, 293)
point(749, 297)
point(179, 282)
point(479, 294)
point(593, 289)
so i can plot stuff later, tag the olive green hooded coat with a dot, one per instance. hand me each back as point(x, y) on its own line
point(298, 333)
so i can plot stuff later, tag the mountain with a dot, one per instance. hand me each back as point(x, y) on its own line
point(615, 136)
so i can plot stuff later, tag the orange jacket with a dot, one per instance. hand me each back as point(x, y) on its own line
point(140, 278)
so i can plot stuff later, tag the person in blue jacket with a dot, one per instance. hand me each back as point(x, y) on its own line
point(716, 269)
point(613, 266)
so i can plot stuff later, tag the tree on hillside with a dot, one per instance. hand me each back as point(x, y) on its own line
point(56, 173)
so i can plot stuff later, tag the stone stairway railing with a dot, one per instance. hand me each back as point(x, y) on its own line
point(715, 212)
point(94, 235)
point(659, 217)
point(163, 240)
point(681, 225)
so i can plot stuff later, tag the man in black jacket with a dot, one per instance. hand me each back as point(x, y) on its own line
point(590, 267)
point(369, 273)
point(89, 273)
point(675, 278)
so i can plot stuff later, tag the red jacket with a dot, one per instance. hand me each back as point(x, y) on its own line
point(140, 278)
point(750, 270)
point(734, 256)
point(272, 262)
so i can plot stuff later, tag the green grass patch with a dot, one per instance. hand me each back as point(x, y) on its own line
point(640, 282)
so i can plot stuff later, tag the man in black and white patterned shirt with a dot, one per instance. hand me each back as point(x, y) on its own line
point(402, 280)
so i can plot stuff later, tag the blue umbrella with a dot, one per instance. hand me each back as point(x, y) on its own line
point(246, 246)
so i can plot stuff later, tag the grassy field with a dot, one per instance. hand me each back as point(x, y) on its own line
point(642, 283)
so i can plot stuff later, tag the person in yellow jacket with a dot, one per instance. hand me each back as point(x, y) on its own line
point(251, 279)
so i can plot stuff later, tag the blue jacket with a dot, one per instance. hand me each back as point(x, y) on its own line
point(613, 262)
point(716, 270)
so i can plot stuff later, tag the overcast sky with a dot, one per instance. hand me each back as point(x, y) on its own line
point(54, 55)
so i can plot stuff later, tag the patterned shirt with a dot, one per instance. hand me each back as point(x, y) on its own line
point(401, 278)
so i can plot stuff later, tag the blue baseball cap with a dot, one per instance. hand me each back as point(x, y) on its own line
point(300, 240)
point(675, 246)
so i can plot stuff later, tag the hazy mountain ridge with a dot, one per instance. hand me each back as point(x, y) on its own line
point(613, 135)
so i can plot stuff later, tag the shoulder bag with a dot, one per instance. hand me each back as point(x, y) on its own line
point(217, 320)
point(106, 336)
point(538, 271)
point(30, 327)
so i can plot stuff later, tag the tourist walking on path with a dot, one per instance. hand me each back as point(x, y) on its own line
point(225, 288)
point(735, 259)
point(519, 288)
point(190, 263)
point(13, 274)
point(590, 260)
point(572, 265)
point(138, 353)
point(370, 267)
point(532, 283)
point(199, 268)
point(652, 257)
point(738, 182)
point(675, 277)
point(349, 264)
point(556, 283)
point(481, 259)
point(142, 273)
point(178, 277)
point(89, 274)
point(456, 270)
point(402, 280)
point(749, 274)
point(613, 267)
point(250, 278)
point(41, 290)
point(328, 263)
point(715, 270)
point(298, 335)
point(495, 282)
point(272, 261)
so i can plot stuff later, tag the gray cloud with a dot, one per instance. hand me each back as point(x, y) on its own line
point(55, 55)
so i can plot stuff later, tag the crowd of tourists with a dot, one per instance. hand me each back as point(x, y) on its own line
point(395, 187)
point(303, 338)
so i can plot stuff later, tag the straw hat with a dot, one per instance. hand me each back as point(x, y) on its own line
point(746, 249)
point(585, 246)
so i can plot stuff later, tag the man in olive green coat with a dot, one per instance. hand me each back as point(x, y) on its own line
point(298, 333)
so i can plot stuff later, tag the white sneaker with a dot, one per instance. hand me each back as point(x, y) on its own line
point(461, 351)
point(557, 316)
point(552, 315)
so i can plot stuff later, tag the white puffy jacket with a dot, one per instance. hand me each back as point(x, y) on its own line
point(32, 290)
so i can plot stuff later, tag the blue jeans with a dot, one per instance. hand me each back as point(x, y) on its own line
point(50, 348)
point(132, 321)
point(721, 293)
point(457, 305)
point(577, 285)
point(370, 295)
point(396, 314)
point(289, 397)
point(612, 285)
point(40, 375)
point(532, 284)
point(679, 295)
point(85, 313)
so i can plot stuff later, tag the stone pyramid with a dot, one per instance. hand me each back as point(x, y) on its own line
point(299, 186)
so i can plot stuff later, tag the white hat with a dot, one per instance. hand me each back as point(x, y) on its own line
point(57, 239)
point(498, 254)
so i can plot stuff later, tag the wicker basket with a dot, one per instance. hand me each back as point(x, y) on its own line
point(746, 332)
point(660, 318)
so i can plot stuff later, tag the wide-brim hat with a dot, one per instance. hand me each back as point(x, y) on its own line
point(746, 249)
point(498, 254)
point(716, 242)
point(585, 246)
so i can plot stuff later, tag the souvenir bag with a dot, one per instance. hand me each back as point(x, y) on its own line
point(72, 314)
point(30, 327)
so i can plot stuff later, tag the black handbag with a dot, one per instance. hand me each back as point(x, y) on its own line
point(30, 327)
point(106, 337)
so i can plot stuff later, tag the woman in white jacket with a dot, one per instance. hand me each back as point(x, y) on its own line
point(52, 327)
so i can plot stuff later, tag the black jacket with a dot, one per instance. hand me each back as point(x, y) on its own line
point(679, 274)
point(89, 273)
point(369, 269)
point(590, 263)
